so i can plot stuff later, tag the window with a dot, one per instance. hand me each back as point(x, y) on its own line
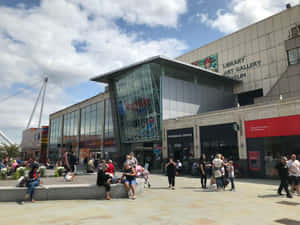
point(294, 56)
point(91, 119)
point(71, 124)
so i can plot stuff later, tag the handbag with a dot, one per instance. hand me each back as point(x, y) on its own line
point(217, 173)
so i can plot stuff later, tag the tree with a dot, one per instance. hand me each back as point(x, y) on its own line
point(12, 151)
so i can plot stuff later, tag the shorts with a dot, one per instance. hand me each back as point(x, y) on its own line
point(294, 180)
point(130, 182)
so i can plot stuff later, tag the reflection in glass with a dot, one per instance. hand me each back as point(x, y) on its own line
point(138, 100)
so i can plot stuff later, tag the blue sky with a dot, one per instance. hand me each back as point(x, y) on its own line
point(71, 41)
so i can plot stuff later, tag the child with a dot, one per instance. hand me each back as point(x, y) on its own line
point(230, 170)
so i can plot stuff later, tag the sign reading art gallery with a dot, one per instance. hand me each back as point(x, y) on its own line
point(237, 68)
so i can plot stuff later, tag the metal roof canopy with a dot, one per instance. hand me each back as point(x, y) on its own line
point(106, 77)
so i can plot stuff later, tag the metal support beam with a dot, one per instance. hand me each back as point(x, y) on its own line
point(43, 101)
point(6, 139)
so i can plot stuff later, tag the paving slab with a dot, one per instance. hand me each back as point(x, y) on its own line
point(253, 202)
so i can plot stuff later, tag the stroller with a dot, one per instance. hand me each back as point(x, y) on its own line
point(141, 172)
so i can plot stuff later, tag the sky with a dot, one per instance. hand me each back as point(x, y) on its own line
point(71, 41)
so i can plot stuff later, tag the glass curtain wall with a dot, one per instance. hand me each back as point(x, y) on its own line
point(70, 126)
point(109, 129)
point(91, 120)
point(55, 135)
point(138, 104)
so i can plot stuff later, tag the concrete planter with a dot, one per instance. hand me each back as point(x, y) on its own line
point(67, 192)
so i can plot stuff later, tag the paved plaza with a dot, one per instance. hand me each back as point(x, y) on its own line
point(254, 202)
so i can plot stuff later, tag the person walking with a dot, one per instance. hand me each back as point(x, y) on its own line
point(230, 170)
point(66, 162)
point(203, 173)
point(171, 172)
point(294, 172)
point(283, 173)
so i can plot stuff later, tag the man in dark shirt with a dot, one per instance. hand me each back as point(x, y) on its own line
point(283, 173)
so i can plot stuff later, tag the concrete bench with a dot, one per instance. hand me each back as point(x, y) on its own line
point(67, 192)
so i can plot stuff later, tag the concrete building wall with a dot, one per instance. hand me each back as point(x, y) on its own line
point(288, 85)
point(236, 115)
point(261, 46)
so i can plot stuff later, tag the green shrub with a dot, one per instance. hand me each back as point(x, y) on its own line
point(3, 173)
point(43, 171)
point(21, 171)
point(16, 175)
point(59, 171)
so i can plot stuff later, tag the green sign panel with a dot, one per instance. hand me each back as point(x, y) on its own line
point(210, 63)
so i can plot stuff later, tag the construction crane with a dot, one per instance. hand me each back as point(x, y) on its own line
point(42, 92)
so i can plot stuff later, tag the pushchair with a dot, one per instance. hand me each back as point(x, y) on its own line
point(141, 172)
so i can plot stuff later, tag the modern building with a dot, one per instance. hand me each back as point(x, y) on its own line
point(239, 96)
point(146, 93)
point(265, 57)
point(34, 144)
point(85, 128)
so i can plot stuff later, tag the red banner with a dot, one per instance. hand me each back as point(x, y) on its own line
point(273, 127)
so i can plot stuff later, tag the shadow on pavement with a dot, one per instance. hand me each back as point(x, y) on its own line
point(158, 188)
point(268, 196)
point(190, 188)
point(258, 181)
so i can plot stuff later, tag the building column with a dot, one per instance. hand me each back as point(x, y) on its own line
point(197, 147)
point(241, 140)
point(241, 137)
point(78, 134)
point(103, 115)
point(61, 136)
point(165, 144)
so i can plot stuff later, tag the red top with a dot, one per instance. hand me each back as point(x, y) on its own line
point(110, 169)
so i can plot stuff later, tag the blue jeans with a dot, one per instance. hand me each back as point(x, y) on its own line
point(232, 182)
point(219, 182)
point(31, 187)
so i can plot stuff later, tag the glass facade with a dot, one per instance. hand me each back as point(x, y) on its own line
point(71, 124)
point(91, 120)
point(294, 56)
point(109, 127)
point(55, 136)
point(137, 94)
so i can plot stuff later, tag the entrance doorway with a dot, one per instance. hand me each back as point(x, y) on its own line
point(219, 139)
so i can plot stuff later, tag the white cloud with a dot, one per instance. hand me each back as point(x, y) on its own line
point(241, 13)
point(40, 41)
